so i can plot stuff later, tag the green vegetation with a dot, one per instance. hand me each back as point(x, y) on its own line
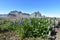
point(27, 28)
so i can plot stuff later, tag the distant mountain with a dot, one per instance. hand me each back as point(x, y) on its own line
point(24, 15)
point(19, 14)
point(3, 15)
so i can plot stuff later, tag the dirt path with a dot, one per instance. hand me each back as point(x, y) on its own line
point(58, 34)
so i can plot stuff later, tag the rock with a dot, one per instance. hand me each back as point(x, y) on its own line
point(24, 15)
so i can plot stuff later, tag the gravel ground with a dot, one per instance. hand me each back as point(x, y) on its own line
point(58, 34)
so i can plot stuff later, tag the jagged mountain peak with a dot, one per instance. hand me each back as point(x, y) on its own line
point(24, 15)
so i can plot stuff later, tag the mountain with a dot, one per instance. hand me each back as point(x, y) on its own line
point(13, 15)
point(3, 15)
point(20, 14)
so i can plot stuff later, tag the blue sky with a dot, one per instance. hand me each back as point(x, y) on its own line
point(46, 7)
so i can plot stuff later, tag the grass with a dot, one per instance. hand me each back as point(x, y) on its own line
point(27, 29)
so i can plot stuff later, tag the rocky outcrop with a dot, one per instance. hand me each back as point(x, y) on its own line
point(24, 15)
point(36, 15)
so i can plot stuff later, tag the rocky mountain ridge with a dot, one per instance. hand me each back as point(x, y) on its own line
point(24, 15)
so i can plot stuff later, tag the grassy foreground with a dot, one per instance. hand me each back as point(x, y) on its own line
point(25, 29)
